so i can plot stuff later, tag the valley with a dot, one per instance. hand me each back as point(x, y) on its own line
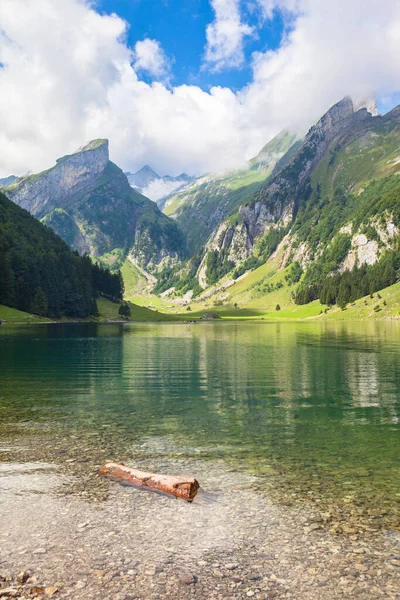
point(291, 235)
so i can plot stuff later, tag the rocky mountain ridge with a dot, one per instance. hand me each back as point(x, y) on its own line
point(88, 201)
point(202, 205)
point(72, 175)
point(5, 181)
point(156, 187)
point(331, 207)
point(276, 203)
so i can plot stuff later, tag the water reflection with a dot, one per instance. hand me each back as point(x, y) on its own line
point(306, 396)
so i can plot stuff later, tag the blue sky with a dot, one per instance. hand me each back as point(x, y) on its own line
point(191, 86)
point(180, 27)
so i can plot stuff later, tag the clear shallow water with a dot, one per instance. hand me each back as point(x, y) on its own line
point(314, 406)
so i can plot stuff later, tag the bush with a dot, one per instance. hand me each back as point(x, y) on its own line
point(277, 307)
point(125, 310)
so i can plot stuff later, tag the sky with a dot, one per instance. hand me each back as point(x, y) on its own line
point(189, 86)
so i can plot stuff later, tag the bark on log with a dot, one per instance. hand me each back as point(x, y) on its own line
point(176, 486)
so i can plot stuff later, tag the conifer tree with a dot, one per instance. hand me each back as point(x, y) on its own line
point(39, 303)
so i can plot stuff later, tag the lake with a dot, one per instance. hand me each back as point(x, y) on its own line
point(291, 429)
point(311, 409)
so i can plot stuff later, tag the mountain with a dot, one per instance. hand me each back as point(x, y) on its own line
point(88, 201)
point(202, 205)
point(328, 218)
point(7, 180)
point(271, 154)
point(157, 188)
point(39, 272)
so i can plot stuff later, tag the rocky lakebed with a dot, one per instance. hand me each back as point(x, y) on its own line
point(68, 533)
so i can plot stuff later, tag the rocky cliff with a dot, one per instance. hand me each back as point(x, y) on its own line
point(88, 201)
point(202, 205)
point(275, 204)
point(72, 175)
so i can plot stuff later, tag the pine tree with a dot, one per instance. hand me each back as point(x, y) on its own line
point(39, 303)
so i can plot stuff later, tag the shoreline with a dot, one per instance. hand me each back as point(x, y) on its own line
point(241, 544)
point(195, 320)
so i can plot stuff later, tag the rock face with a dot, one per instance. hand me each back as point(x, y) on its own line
point(88, 201)
point(363, 252)
point(276, 203)
point(203, 205)
point(157, 188)
point(72, 175)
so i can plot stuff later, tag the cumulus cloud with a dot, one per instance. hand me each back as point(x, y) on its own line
point(225, 36)
point(68, 76)
point(334, 49)
point(150, 57)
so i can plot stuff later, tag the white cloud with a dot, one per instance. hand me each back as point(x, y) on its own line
point(225, 36)
point(335, 48)
point(294, 7)
point(150, 57)
point(68, 77)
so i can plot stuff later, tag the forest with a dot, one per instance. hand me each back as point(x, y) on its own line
point(41, 275)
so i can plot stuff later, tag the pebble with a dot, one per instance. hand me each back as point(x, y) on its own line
point(225, 543)
point(23, 577)
point(187, 578)
point(9, 593)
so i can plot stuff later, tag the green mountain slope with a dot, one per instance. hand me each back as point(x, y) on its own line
point(332, 209)
point(40, 274)
point(201, 206)
point(88, 201)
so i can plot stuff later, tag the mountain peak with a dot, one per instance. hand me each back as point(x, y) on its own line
point(98, 146)
point(273, 151)
point(72, 174)
point(337, 119)
point(150, 184)
point(147, 170)
point(99, 143)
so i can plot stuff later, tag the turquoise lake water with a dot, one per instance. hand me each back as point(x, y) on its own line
point(315, 405)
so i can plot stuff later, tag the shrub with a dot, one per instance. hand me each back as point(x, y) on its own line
point(125, 310)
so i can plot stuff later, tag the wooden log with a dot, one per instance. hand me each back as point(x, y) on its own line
point(176, 486)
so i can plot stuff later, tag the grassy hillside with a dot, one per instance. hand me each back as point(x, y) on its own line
point(108, 311)
point(258, 294)
point(383, 305)
point(12, 315)
point(134, 281)
point(200, 207)
point(351, 166)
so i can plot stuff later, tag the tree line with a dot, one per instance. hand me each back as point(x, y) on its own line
point(40, 274)
point(349, 286)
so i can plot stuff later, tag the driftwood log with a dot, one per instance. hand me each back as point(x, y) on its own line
point(176, 486)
